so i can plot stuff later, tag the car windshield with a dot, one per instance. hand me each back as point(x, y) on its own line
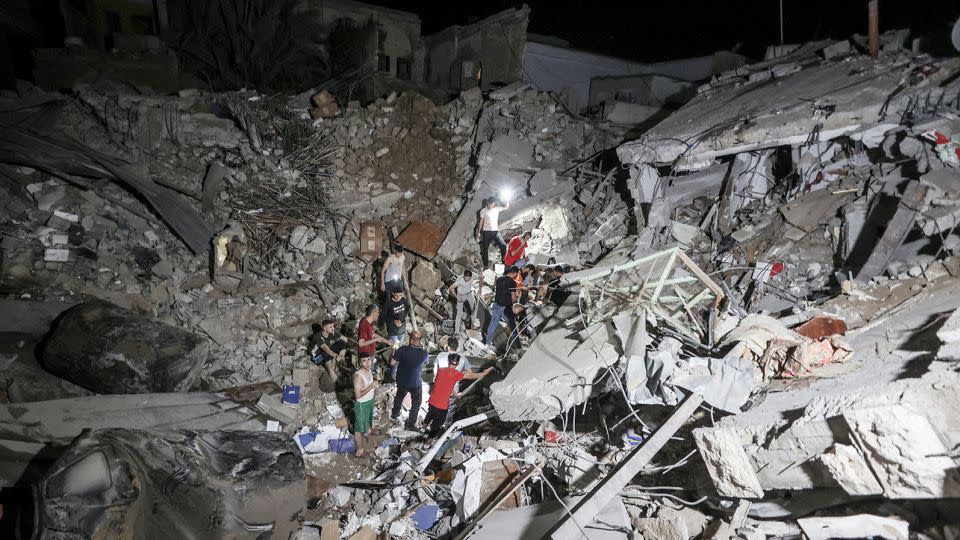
point(87, 476)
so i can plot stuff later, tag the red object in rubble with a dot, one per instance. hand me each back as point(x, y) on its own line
point(776, 268)
point(940, 138)
point(550, 436)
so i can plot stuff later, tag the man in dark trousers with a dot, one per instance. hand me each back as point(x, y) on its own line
point(444, 387)
point(328, 348)
point(394, 315)
point(503, 299)
point(488, 229)
point(409, 360)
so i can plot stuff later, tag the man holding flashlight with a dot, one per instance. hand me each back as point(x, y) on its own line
point(488, 230)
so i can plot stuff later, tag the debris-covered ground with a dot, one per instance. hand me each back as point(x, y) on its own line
point(739, 324)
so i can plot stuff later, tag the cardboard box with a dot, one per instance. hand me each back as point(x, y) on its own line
point(372, 240)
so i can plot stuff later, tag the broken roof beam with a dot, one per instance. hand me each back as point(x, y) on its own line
point(568, 527)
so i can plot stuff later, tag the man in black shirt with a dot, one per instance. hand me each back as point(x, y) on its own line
point(328, 348)
point(394, 315)
point(503, 298)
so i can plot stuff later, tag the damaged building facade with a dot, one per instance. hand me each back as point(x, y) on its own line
point(739, 323)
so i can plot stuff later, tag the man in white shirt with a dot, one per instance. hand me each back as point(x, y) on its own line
point(464, 290)
point(442, 358)
point(488, 230)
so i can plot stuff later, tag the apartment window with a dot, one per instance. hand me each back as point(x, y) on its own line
point(384, 63)
point(403, 69)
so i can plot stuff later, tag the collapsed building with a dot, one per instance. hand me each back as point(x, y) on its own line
point(750, 333)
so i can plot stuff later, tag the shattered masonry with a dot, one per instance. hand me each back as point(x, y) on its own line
point(745, 323)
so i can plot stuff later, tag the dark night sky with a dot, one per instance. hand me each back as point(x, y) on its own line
point(651, 31)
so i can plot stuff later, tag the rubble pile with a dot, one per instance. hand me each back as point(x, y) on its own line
point(742, 325)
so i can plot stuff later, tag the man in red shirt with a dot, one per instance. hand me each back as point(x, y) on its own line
point(447, 379)
point(367, 338)
point(516, 250)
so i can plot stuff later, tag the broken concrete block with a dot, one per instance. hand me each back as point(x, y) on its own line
point(49, 198)
point(301, 377)
point(329, 529)
point(217, 330)
point(365, 533)
point(857, 526)
point(111, 350)
point(850, 470)
point(424, 276)
point(509, 91)
point(905, 453)
point(274, 408)
point(307, 239)
point(668, 525)
point(949, 336)
point(727, 462)
point(56, 255)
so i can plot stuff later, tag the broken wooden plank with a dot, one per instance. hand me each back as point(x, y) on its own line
point(499, 500)
point(621, 475)
point(897, 229)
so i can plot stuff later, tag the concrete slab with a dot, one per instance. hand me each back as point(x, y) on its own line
point(533, 521)
point(504, 164)
point(556, 372)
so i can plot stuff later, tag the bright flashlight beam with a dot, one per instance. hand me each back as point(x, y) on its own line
point(506, 194)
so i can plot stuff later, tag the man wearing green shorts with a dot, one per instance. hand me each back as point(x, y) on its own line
point(363, 389)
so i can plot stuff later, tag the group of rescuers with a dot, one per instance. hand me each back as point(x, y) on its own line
point(521, 287)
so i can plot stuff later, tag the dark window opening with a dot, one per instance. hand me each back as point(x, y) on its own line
point(142, 24)
point(403, 69)
point(384, 63)
point(113, 27)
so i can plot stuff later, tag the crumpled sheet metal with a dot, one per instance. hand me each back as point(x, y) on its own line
point(124, 483)
point(24, 147)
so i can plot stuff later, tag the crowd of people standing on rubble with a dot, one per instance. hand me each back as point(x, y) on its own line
point(384, 350)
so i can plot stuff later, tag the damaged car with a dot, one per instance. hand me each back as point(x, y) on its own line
point(116, 483)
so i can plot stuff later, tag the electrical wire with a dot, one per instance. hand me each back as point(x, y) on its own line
point(667, 495)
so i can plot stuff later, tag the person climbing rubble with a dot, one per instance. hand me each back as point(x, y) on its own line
point(516, 254)
point(367, 338)
point(488, 229)
point(443, 360)
point(393, 275)
point(464, 290)
point(328, 348)
point(442, 395)
point(503, 300)
point(364, 386)
point(409, 361)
